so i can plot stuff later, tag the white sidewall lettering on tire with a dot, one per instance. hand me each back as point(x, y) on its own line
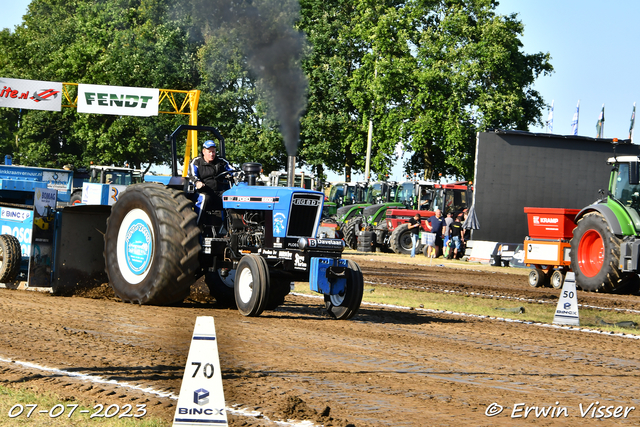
point(135, 249)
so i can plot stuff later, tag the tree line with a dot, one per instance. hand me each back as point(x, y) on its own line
point(428, 74)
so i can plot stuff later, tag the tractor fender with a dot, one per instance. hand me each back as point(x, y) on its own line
point(606, 212)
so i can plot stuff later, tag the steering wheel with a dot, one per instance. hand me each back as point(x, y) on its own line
point(232, 171)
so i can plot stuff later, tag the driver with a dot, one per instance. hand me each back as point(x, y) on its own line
point(206, 172)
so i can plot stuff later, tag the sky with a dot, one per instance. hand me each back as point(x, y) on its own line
point(593, 51)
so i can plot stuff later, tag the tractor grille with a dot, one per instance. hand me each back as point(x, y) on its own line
point(304, 215)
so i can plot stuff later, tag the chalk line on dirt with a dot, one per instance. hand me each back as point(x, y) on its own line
point(99, 380)
point(502, 319)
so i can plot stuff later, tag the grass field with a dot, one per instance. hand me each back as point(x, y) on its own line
point(493, 307)
point(20, 407)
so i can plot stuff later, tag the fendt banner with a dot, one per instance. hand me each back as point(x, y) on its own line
point(31, 94)
point(118, 100)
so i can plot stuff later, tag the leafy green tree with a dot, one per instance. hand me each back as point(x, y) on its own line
point(333, 128)
point(117, 42)
point(473, 76)
point(429, 74)
point(250, 79)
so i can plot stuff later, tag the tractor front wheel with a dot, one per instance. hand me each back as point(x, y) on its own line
point(152, 245)
point(344, 306)
point(595, 255)
point(252, 285)
point(76, 197)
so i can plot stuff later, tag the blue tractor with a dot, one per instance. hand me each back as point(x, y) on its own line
point(249, 252)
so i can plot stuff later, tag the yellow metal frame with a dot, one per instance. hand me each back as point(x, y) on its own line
point(188, 106)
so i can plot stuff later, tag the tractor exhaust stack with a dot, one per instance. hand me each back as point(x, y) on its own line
point(291, 171)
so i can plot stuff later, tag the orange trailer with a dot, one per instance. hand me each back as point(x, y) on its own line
point(547, 247)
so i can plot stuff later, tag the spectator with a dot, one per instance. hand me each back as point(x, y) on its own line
point(436, 226)
point(457, 237)
point(414, 226)
point(447, 222)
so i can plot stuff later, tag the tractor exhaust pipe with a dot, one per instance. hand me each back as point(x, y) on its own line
point(291, 171)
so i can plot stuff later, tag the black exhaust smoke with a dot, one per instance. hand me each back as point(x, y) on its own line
point(274, 50)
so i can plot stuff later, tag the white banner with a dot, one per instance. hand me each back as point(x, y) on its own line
point(30, 94)
point(118, 100)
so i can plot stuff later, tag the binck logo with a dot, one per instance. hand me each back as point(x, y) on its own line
point(201, 397)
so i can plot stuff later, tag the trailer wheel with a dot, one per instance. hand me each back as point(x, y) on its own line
point(536, 278)
point(595, 255)
point(401, 240)
point(557, 279)
point(221, 288)
point(10, 257)
point(346, 305)
point(152, 245)
point(251, 285)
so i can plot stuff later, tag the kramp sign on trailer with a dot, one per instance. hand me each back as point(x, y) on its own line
point(30, 94)
point(118, 100)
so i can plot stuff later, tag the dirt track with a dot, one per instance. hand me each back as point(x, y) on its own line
point(384, 367)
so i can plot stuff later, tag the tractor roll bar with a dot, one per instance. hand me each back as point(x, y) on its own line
point(174, 145)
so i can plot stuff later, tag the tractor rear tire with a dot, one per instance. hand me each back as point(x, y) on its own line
point(252, 285)
point(595, 255)
point(10, 257)
point(351, 232)
point(152, 245)
point(345, 306)
point(221, 288)
point(400, 240)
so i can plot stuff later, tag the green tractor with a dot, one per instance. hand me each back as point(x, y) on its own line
point(341, 194)
point(380, 197)
point(605, 248)
point(348, 208)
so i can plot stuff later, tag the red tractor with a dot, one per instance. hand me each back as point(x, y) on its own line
point(454, 198)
